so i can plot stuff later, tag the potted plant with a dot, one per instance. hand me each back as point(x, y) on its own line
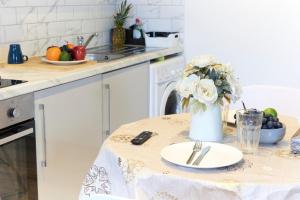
point(118, 34)
point(205, 84)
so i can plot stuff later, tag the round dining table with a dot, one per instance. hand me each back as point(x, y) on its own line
point(139, 172)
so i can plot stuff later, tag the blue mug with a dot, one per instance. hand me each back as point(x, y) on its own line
point(15, 55)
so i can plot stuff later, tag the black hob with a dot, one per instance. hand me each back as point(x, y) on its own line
point(9, 82)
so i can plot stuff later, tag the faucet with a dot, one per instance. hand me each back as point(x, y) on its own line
point(90, 39)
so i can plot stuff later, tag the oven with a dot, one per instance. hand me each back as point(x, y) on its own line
point(18, 172)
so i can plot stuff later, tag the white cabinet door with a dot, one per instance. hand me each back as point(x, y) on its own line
point(68, 132)
point(125, 96)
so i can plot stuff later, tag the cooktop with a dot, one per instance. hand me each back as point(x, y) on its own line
point(9, 82)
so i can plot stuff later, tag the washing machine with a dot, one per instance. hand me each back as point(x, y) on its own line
point(164, 75)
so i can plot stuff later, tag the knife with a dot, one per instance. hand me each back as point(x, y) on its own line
point(201, 156)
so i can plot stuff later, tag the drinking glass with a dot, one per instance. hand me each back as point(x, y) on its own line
point(248, 129)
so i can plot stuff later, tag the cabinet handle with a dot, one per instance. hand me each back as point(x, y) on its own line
point(43, 135)
point(107, 115)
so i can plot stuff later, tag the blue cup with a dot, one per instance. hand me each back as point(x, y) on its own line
point(15, 55)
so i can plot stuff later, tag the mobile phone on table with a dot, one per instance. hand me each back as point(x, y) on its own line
point(141, 138)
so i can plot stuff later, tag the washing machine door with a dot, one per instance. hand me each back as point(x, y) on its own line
point(171, 101)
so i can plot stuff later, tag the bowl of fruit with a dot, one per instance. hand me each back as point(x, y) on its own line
point(272, 130)
point(67, 54)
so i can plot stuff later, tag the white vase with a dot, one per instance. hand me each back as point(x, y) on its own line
point(207, 126)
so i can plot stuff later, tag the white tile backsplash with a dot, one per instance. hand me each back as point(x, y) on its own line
point(8, 16)
point(37, 24)
point(159, 15)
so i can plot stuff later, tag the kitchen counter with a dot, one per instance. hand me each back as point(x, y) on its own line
point(41, 76)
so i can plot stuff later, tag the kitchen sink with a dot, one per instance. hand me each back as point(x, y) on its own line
point(100, 57)
point(107, 53)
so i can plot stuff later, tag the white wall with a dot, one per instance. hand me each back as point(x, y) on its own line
point(260, 38)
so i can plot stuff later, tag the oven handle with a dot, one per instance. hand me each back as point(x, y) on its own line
point(43, 135)
point(16, 136)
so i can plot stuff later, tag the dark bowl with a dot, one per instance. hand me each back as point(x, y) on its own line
point(272, 136)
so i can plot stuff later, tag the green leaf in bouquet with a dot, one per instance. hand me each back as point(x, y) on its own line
point(227, 89)
point(213, 74)
point(185, 102)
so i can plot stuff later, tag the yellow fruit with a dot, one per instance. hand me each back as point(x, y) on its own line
point(70, 46)
point(53, 53)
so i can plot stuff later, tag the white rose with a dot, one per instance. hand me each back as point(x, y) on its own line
point(203, 61)
point(187, 86)
point(206, 91)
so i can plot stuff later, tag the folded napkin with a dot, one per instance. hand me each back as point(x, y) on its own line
point(295, 142)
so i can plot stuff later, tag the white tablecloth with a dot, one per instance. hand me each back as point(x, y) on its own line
point(139, 172)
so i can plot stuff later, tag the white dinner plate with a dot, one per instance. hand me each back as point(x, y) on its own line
point(74, 62)
point(220, 155)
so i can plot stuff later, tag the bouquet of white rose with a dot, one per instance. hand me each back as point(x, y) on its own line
point(207, 82)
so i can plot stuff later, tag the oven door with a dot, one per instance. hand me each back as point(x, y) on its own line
point(170, 102)
point(18, 173)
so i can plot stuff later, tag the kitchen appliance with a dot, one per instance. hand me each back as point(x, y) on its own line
point(9, 82)
point(18, 173)
point(162, 39)
point(164, 98)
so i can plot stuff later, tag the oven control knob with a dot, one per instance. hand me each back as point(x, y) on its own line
point(13, 113)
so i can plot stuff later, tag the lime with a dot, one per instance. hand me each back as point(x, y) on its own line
point(270, 112)
point(65, 56)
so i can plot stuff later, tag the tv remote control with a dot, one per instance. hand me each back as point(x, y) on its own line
point(141, 138)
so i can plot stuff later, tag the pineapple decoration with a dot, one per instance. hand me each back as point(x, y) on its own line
point(118, 35)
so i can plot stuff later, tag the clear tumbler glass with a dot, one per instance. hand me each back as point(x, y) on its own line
point(248, 129)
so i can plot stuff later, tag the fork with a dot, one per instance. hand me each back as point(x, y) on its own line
point(197, 147)
point(201, 156)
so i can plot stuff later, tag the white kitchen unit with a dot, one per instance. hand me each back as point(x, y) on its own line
point(68, 134)
point(164, 98)
point(125, 96)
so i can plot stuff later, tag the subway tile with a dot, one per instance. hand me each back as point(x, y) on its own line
point(160, 2)
point(36, 31)
point(47, 14)
point(81, 12)
point(15, 33)
point(8, 16)
point(30, 48)
point(27, 15)
point(73, 28)
point(148, 11)
point(56, 29)
point(13, 3)
point(2, 35)
point(65, 13)
point(178, 25)
point(159, 25)
point(38, 3)
point(88, 26)
point(104, 24)
point(173, 12)
point(38, 24)
point(107, 11)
